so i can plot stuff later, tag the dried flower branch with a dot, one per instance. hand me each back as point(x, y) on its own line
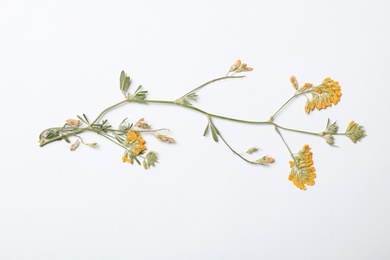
point(130, 136)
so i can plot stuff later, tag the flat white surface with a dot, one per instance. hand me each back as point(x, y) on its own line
point(63, 58)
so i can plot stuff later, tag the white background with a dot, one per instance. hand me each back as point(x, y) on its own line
point(63, 58)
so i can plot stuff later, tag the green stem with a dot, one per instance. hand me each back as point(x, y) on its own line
point(227, 118)
point(211, 81)
point(202, 111)
point(297, 94)
point(89, 128)
point(61, 136)
point(285, 143)
point(226, 143)
point(107, 109)
point(297, 131)
point(231, 149)
point(110, 138)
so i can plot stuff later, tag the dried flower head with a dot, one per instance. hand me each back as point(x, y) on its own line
point(235, 66)
point(164, 138)
point(135, 145)
point(323, 96)
point(126, 157)
point(142, 124)
point(150, 160)
point(265, 160)
point(302, 170)
point(329, 139)
point(305, 87)
point(332, 128)
point(355, 132)
point(243, 68)
point(73, 122)
point(252, 150)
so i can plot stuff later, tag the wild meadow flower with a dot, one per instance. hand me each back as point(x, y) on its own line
point(324, 95)
point(302, 170)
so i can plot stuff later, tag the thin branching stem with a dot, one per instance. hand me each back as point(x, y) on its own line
point(285, 143)
point(212, 81)
point(108, 109)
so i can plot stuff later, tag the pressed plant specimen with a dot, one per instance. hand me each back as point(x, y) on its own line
point(130, 136)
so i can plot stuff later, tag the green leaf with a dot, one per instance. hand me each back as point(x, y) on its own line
point(79, 117)
point(127, 84)
point(122, 78)
point(206, 131)
point(119, 139)
point(135, 159)
point(139, 87)
point(66, 139)
point(124, 82)
point(214, 132)
point(86, 119)
point(192, 96)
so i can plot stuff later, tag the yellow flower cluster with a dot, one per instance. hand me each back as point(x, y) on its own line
point(302, 170)
point(324, 95)
point(135, 144)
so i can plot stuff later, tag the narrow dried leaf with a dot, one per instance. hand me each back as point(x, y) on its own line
point(206, 130)
point(214, 133)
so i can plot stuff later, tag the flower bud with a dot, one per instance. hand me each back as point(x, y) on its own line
point(235, 66)
point(74, 122)
point(294, 82)
point(75, 145)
